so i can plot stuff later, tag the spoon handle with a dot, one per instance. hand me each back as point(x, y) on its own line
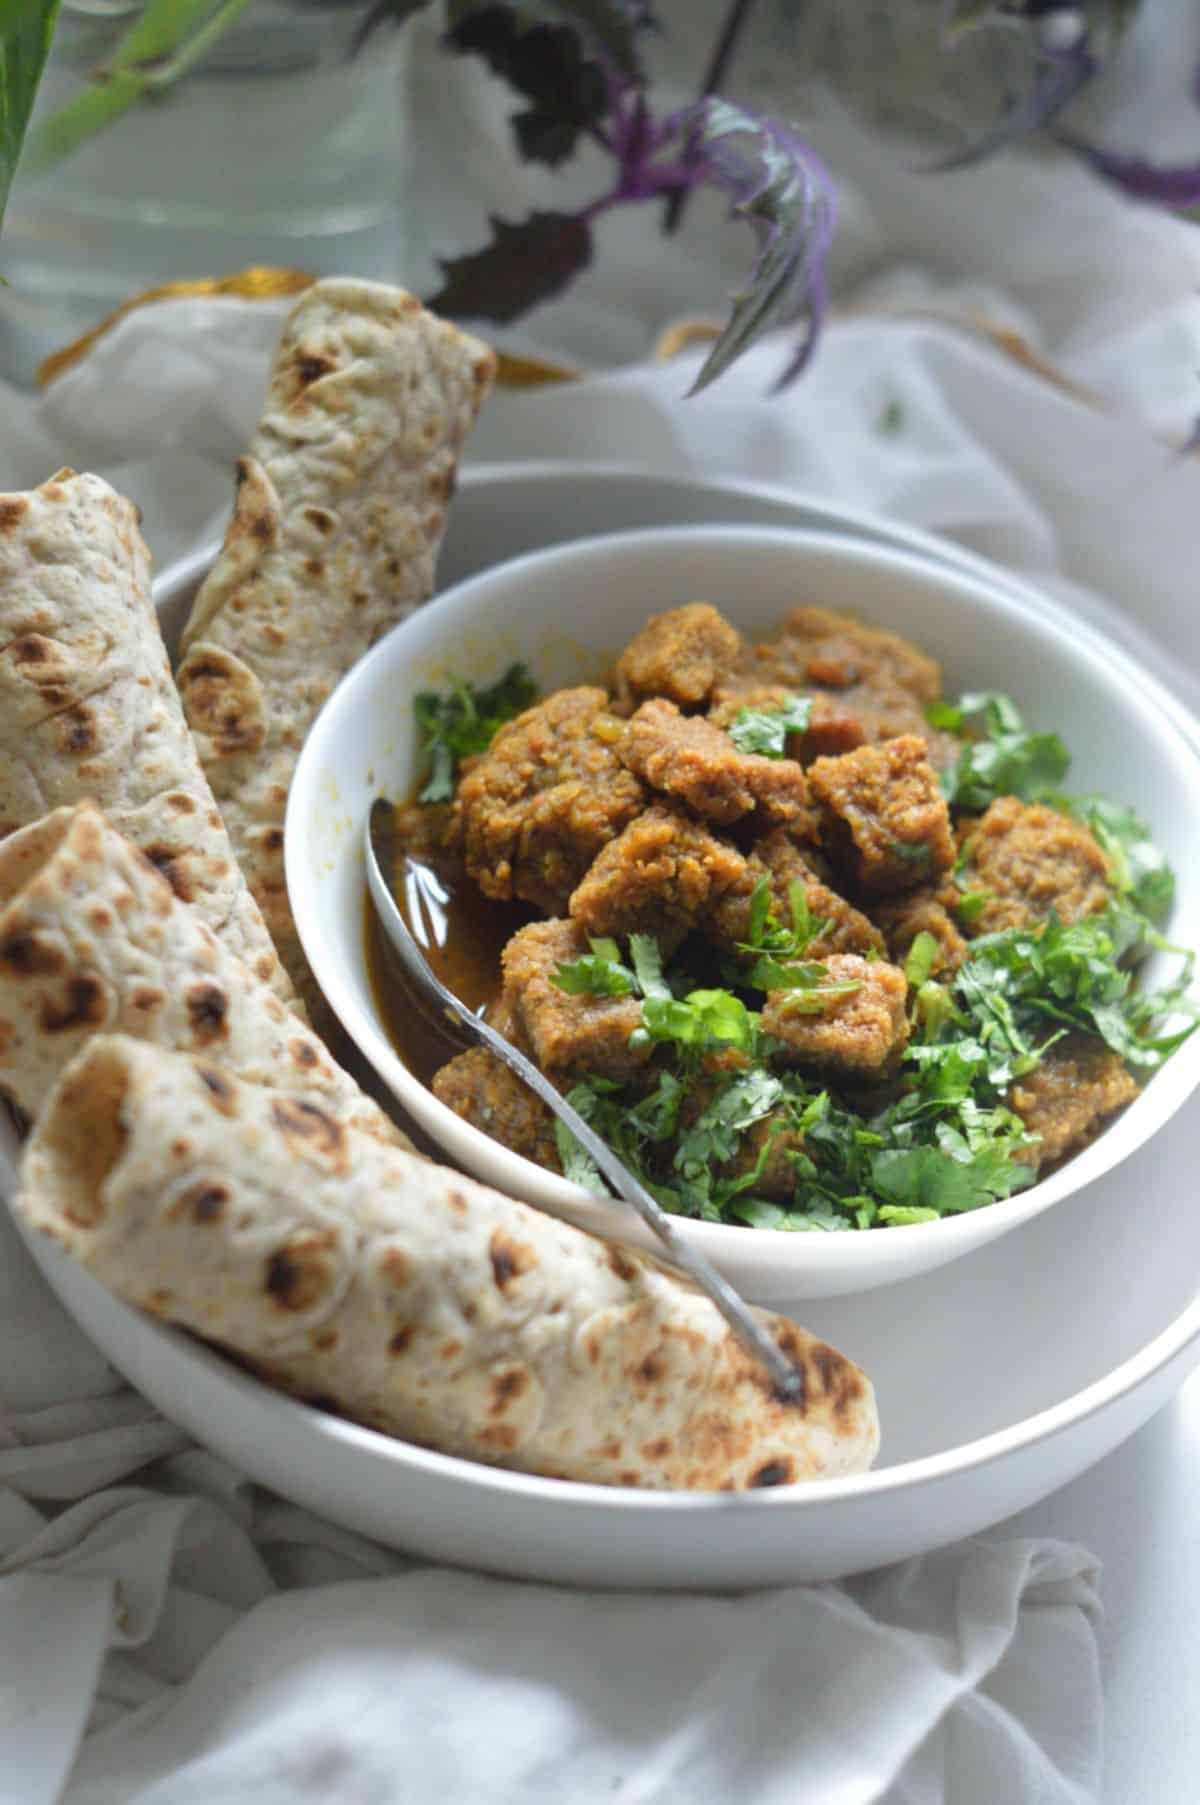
point(786, 1378)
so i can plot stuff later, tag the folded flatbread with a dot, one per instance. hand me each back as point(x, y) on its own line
point(88, 706)
point(92, 937)
point(416, 1301)
point(339, 514)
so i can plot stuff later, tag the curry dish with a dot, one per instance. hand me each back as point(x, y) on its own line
point(812, 946)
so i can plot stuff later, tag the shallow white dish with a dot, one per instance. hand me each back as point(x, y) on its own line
point(566, 611)
point(1000, 1378)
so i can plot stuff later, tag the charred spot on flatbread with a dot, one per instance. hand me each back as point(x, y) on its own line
point(310, 366)
point(168, 863)
point(308, 1130)
point(77, 730)
point(506, 1387)
point(772, 1472)
point(839, 1380)
point(202, 1203)
point(221, 1093)
point(13, 509)
point(299, 1274)
point(224, 700)
point(27, 955)
point(510, 1258)
point(208, 1013)
point(85, 1006)
point(402, 1339)
point(658, 1449)
point(619, 1262)
point(321, 518)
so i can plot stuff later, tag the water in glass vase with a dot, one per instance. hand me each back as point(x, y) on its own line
point(278, 147)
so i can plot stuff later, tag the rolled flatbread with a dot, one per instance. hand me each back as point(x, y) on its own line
point(92, 937)
point(339, 514)
point(88, 707)
point(416, 1301)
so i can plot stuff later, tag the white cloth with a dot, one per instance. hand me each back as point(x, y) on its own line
point(189, 1623)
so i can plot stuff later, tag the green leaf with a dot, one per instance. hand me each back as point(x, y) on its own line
point(647, 963)
point(926, 1179)
point(26, 28)
point(1009, 761)
point(971, 904)
point(702, 1018)
point(1137, 868)
point(599, 973)
point(765, 730)
point(713, 1137)
point(463, 722)
point(810, 988)
point(921, 955)
point(168, 38)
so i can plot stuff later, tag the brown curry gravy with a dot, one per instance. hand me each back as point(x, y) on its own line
point(462, 934)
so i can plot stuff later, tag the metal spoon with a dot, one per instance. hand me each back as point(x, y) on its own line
point(453, 1015)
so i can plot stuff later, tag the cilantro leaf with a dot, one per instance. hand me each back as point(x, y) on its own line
point(598, 973)
point(766, 730)
point(701, 1018)
point(1009, 761)
point(464, 722)
point(921, 955)
point(1137, 868)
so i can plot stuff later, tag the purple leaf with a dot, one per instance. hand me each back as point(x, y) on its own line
point(777, 184)
point(545, 64)
point(1163, 184)
point(524, 265)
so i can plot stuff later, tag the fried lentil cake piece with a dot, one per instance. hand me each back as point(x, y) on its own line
point(929, 910)
point(833, 727)
point(1067, 1099)
point(678, 655)
point(480, 1088)
point(864, 1032)
point(1027, 859)
point(878, 681)
point(548, 793)
point(779, 859)
point(884, 819)
point(567, 1034)
point(687, 758)
point(660, 876)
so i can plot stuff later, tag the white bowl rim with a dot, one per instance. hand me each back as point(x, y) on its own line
point(731, 1238)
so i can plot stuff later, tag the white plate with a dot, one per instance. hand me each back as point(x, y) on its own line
point(566, 610)
point(1000, 1378)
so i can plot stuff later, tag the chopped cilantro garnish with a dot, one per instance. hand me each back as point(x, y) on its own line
point(1137, 869)
point(464, 721)
point(598, 973)
point(766, 730)
point(1008, 761)
point(778, 948)
point(921, 955)
point(971, 904)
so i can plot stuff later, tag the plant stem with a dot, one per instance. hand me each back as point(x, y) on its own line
point(160, 47)
point(723, 50)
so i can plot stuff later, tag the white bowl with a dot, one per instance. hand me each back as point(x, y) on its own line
point(999, 1378)
point(566, 611)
